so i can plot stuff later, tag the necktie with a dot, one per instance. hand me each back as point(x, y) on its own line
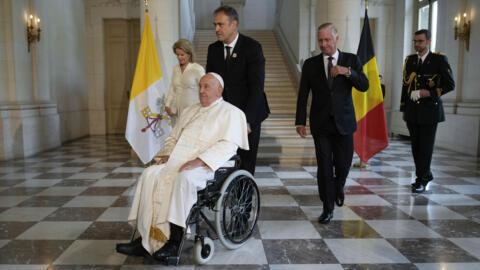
point(228, 53)
point(330, 78)
point(420, 62)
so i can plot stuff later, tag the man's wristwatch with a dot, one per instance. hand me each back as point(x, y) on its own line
point(349, 73)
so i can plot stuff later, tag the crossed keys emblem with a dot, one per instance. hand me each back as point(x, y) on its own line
point(153, 119)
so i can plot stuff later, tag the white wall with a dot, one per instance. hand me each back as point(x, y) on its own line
point(23, 65)
point(187, 19)
point(204, 13)
point(462, 106)
point(64, 71)
point(44, 95)
point(345, 15)
point(96, 11)
point(468, 60)
point(287, 27)
point(3, 55)
point(384, 14)
point(257, 14)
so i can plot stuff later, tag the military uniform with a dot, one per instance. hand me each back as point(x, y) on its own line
point(422, 116)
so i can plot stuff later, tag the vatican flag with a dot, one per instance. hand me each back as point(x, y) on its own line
point(147, 124)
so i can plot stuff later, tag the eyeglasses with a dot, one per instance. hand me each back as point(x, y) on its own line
point(418, 40)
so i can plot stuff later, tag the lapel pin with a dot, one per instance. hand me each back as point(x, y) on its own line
point(234, 55)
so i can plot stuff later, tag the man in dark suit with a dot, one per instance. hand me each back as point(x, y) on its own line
point(426, 77)
point(239, 60)
point(330, 76)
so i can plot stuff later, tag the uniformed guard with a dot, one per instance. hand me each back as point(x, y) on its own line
point(426, 77)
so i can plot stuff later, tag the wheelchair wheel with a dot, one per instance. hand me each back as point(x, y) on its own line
point(203, 253)
point(237, 209)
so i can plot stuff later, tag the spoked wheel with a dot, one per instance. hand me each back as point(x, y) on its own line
point(237, 209)
point(203, 253)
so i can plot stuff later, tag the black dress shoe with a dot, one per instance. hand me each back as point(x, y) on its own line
point(418, 187)
point(325, 217)
point(168, 254)
point(339, 200)
point(134, 248)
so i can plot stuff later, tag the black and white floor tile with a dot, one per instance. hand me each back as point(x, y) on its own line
point(66, 209)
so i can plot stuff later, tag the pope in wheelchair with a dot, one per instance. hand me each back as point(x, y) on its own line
point(170, 195)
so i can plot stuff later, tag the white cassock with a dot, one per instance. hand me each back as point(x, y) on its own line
point(164, 195)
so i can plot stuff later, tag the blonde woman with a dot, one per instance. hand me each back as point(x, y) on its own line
point(185, 78)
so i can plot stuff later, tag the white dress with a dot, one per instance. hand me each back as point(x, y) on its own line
point(184, 87)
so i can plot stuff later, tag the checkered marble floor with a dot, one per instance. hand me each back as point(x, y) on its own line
point(66, 209)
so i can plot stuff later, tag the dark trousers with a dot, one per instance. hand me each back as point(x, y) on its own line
point(334, 157)
point(422, 138)
point(249, 158)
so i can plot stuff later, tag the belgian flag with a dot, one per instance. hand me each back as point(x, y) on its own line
point(371, 135)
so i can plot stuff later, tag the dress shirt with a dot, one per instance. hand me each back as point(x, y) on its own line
point(424, 56)
point(231, 45)
point(325, 61)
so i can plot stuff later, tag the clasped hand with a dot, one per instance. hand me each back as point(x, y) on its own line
point(189, 165)
point(418, 94)
point(339, 70)
point(192, 164)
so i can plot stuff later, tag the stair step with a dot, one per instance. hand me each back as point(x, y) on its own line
point(277, 121)
point(287, 149)
point(280, 130)
point(284, 139)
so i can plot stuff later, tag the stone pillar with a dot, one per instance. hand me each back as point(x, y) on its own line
point(345, 15)
point(26, 126)
point(7, 63)
point(238, 5)
point(165, 20)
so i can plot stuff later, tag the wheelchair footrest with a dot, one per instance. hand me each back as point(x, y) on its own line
point(172, 260)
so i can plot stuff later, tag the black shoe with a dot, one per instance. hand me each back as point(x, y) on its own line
point(339, 200)
point(134, 248)
point(325, 217)
point(418, 187)
point(168, 254)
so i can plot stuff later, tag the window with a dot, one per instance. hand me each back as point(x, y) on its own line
point(427, 18)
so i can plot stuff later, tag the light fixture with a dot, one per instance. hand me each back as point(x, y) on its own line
point(463, 31)
point(33, 30)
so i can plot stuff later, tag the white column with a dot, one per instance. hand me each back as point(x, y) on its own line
point(40, 60)
point(238, 5)
point(165, 20)
point(345, 15)
point(7, 63)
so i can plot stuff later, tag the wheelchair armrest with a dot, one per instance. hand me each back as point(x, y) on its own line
point(237, 160)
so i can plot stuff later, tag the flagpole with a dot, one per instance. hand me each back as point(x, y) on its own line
point(361, 164)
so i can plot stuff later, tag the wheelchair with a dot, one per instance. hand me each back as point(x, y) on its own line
point(234, 199)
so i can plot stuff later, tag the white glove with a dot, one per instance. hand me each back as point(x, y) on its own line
point(415, 95)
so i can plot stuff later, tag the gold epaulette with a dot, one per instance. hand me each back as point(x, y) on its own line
point(438, 53)
point(413, 54)
point(439, 92)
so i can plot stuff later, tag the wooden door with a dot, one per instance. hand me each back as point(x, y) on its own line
point(122, 40)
